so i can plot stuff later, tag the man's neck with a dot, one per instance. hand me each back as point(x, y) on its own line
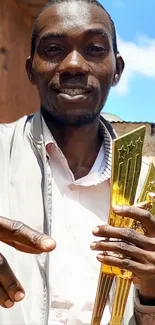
point(80, 145)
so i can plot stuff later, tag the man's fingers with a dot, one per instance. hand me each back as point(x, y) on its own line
point(131, 251)
point(5, 301)
point(125, 264)
point(18, 232)
point(21, 247)
point(138, 214)
point(9, 282)
point(126, 235)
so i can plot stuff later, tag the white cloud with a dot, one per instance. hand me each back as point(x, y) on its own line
point(139, 58)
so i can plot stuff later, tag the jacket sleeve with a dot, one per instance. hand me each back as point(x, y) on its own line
point(143, 315)
point(6, 138)
point(137, 314)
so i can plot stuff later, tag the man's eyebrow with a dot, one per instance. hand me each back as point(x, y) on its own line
point(51, 35)
point(96, 31)
point(91, 32)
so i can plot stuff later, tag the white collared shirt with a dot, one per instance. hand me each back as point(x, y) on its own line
point(78, 206)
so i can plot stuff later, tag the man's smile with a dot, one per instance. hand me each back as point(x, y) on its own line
point(72, 91)
point(73, 94)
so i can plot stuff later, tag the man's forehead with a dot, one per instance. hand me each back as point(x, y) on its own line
point(67, 16)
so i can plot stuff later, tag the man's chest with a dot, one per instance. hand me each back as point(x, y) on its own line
point(74, 269)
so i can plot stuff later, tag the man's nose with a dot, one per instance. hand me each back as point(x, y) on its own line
point(74, 64)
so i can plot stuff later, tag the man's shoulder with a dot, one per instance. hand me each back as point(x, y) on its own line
point(13, 124)
point(8, 129)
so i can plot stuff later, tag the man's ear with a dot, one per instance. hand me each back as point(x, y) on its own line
point(29, 70)
point(119, 69)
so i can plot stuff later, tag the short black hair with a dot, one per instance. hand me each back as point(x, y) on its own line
point(51, 2)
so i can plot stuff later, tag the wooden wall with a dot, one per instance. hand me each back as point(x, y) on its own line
point(17, 96)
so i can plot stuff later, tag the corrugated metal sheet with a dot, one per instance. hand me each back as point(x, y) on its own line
point(134, 122)
point(115, 119)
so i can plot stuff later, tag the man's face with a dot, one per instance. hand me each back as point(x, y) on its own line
point(74, 63)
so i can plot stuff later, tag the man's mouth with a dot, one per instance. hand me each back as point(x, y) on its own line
point(73, 92)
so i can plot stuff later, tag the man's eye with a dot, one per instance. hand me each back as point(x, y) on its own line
point(53, 49)
point(95, 49)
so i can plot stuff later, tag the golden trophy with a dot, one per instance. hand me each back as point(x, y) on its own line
point(126, 166)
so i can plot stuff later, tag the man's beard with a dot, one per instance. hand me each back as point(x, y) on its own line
point(69, 119)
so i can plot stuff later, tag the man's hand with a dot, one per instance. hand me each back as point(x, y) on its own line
point(138, 249)
point(25, 239)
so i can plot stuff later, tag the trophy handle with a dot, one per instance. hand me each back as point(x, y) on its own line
point(120, 299)
point(104, 285)
point(123, 284)
point(126, 166)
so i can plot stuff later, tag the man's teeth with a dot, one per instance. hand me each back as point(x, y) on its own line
point(72, 92)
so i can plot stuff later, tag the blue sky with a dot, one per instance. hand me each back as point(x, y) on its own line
point(134, 98)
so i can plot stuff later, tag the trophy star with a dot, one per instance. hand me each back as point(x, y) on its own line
point(131, 148)
point(122, 152)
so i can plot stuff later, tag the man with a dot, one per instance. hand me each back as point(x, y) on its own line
point(55, 170)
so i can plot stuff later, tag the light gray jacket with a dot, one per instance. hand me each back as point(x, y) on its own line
point(26, 195)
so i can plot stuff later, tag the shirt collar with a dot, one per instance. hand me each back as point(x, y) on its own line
point(50, 144)
point(104, 133)
point(48, 137)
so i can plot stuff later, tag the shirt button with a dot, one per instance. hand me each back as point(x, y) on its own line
point(50, 147)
